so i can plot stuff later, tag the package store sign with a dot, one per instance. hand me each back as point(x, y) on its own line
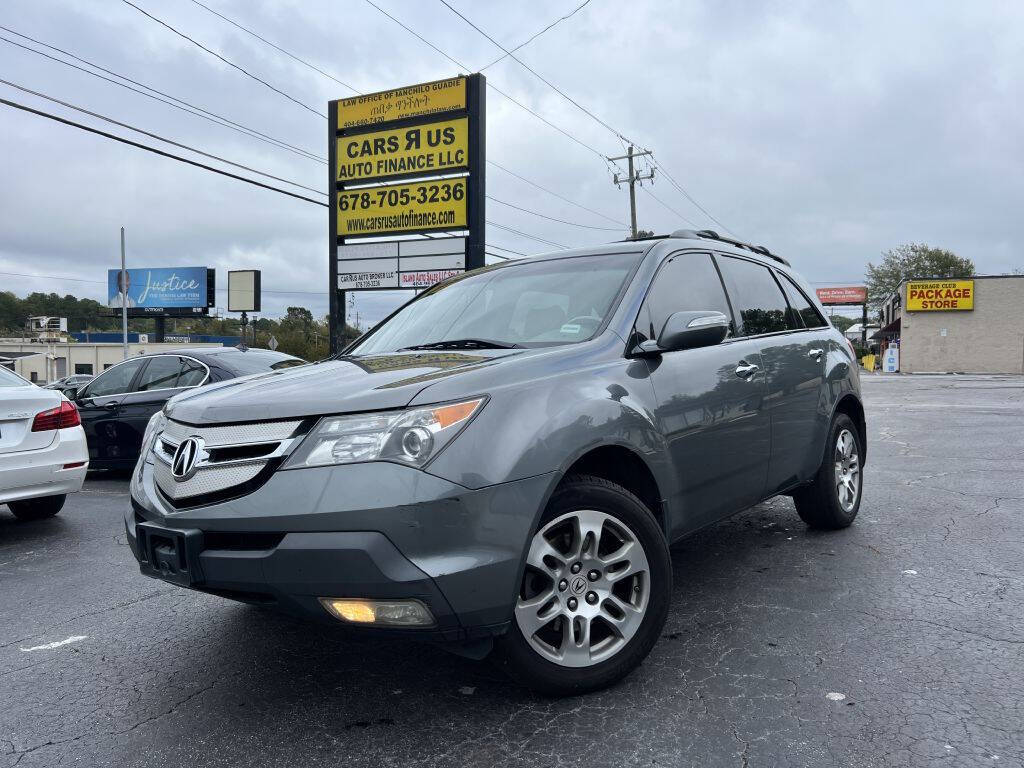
point(421, 206)
point(401, 103)
point(940, 295)
point(850, 294)
point(421, 150)
point(402, 264)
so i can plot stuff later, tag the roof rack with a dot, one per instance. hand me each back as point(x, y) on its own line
point(708, 234)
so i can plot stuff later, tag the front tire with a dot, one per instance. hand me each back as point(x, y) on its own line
point(832, 500)
point(595, 592)
point(37, 509)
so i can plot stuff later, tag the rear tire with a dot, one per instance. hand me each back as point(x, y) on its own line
point(37, 509)
point(832, 500)
point(593, 625)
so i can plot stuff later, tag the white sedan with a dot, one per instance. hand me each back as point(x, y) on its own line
point(43, 454)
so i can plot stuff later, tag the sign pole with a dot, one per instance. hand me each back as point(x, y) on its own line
point(124, 301)
point(336, 298)
point(476, 103)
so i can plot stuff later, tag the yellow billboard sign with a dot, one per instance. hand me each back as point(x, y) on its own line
point(420, 149)
point(939, 295)
point(400, 103)
point(419, 206)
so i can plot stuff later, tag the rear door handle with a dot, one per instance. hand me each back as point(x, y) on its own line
point(816, 352)
point(745, 370)
point(111, 405)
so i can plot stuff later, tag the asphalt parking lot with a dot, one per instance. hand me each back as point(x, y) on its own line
point(899, 641)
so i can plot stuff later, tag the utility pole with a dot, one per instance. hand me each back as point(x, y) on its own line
point(632, 180)
point(124, 301)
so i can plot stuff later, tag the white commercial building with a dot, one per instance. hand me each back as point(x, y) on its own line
point(43, 362)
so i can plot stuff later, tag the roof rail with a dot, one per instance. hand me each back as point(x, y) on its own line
point(708, 234)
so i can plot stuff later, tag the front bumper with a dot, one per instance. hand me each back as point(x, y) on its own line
point(34, 474)
point(373, 530)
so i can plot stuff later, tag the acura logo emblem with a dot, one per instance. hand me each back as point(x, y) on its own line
point(186, 458)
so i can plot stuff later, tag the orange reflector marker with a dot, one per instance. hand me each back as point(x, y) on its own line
point(447, 415)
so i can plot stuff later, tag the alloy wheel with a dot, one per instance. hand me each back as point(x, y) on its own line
point(847, 463)
point(586, 589)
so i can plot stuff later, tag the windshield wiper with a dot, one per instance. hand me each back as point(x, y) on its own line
point(462, 344)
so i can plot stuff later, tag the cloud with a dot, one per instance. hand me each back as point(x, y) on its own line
point(829, 132)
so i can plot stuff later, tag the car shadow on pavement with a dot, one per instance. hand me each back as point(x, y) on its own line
point(297, 659)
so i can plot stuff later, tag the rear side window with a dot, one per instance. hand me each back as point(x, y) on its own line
point(192, 373)
point(757, 299)
point(811, 317)
point(115, 380)
point(161, 373)
point(687, 282)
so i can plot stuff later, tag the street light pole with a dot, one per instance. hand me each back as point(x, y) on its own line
point(124, 301)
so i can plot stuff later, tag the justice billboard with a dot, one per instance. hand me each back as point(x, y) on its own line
point(182, 290)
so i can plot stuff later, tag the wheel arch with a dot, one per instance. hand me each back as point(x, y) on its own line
point(851, 405)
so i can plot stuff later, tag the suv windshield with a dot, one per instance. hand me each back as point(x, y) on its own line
point(542, 303)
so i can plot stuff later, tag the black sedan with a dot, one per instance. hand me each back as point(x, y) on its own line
point(116, 405)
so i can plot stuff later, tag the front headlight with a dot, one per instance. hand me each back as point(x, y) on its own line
point(156, 425)
point(410, 437)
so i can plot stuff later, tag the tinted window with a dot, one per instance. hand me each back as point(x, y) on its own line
point(811, 317)
point(192, 373)
point(689, 282)
point(755, 295)
point(115, 380)
point(161, 373)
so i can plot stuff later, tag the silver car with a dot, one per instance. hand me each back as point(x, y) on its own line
point(502, 464)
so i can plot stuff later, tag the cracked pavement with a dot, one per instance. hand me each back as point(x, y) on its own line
point(915, 615)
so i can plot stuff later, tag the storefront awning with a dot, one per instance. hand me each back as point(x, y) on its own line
point(891, 331)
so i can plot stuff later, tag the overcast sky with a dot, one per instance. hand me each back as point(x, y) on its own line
point(827, 131)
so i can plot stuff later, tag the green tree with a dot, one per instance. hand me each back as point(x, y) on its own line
point(842, 322)
point(913, 260)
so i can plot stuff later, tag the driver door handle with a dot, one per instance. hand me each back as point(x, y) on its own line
point(110, 405)
point(816, 352)
point(745, 370)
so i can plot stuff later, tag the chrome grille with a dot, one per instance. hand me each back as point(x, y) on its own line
point(216, 472)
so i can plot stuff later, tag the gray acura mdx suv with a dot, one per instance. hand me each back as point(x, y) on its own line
point(502, 464)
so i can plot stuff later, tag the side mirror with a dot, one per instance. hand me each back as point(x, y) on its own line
point(689, 330)
point(71, 393)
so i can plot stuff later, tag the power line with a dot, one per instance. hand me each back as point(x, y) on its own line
point(212, 52)
point(335, 79)
point(671, 210)
point(277, 47)
point(220, 171)
point(555, 194)
point(533, 37)
point(156, 151)
point(490, 85)
point(586, 111)
point(689, 197)
point(524, 234)
point(533, 72)
point(158, 137)
point(507, 250)
point(550, 218)
point(187, 107)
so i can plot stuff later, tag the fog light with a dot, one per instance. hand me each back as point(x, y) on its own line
point(394, 613)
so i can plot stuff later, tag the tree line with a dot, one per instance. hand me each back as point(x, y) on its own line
point(297, 333)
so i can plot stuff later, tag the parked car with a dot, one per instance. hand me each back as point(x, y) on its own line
point(70, 383)
point(116, 405)
point(502, 464)
point(43, 456)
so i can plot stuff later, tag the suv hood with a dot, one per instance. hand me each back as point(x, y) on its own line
point(349, 384)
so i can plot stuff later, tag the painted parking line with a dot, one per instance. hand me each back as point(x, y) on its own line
point(57, 644)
